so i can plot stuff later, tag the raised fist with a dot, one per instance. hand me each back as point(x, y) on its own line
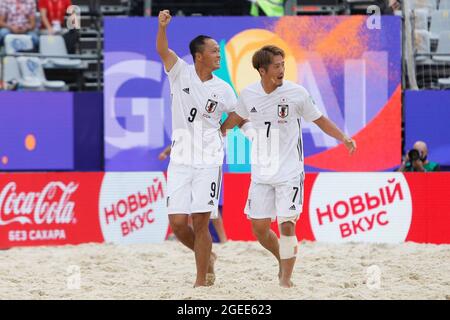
point(164, 18)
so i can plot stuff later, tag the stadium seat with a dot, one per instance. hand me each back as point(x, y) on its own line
point(32, 70)
point(17, 42)
point(12, 75)
point(443, 47)
point(54, 45)
point(444, 83)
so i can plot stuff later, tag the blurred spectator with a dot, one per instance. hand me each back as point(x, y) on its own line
point(416, 160)
point(395, 5)
point(389, 6)
point(18, 17)
point(53, 13)
point(270, 8)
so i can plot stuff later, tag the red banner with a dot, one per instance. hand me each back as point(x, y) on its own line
point(72, 208)
point(368, 207)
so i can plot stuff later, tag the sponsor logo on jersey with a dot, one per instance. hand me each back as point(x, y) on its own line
point(211, 203)
point(186, 90)
point(253, 110)
point(293, 207)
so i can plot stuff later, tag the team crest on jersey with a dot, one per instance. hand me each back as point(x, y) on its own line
point(211, 106)
point(283, 110)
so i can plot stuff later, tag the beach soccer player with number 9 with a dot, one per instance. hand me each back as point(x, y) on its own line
point(275, 108)
point(194, 175)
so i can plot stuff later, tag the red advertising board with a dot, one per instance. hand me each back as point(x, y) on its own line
point(369, 207)
point(73, 208)
point(49, 208)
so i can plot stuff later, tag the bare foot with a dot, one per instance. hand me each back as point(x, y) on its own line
point(212, 261)
point(286, 283)
point(210, 276)
point(210, 279)
point(200, 284)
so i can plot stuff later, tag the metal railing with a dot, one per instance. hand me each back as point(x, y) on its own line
point(429, 71)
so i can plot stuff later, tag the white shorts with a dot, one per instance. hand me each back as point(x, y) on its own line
point(193, 190)
point(279, 200)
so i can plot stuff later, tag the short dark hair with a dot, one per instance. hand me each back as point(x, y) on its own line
point(197, 45)
point(263, 57)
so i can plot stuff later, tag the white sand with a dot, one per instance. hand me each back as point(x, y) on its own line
point(244, 271)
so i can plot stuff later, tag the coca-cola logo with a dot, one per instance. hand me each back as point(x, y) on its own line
point(50, 205)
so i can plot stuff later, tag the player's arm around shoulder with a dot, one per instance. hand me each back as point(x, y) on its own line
point(330, 128)
point(237, 115)
point(232, 120)
point(167, 55)
point(232, 109)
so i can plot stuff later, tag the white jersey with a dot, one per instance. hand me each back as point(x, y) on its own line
point(277, 148)
point(197, 109)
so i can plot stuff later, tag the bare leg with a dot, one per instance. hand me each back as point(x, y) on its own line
point(182, 230)
point(267, 238)
point(287, 265)
point(181, 227)
point(202, 246)
point(218, 225)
